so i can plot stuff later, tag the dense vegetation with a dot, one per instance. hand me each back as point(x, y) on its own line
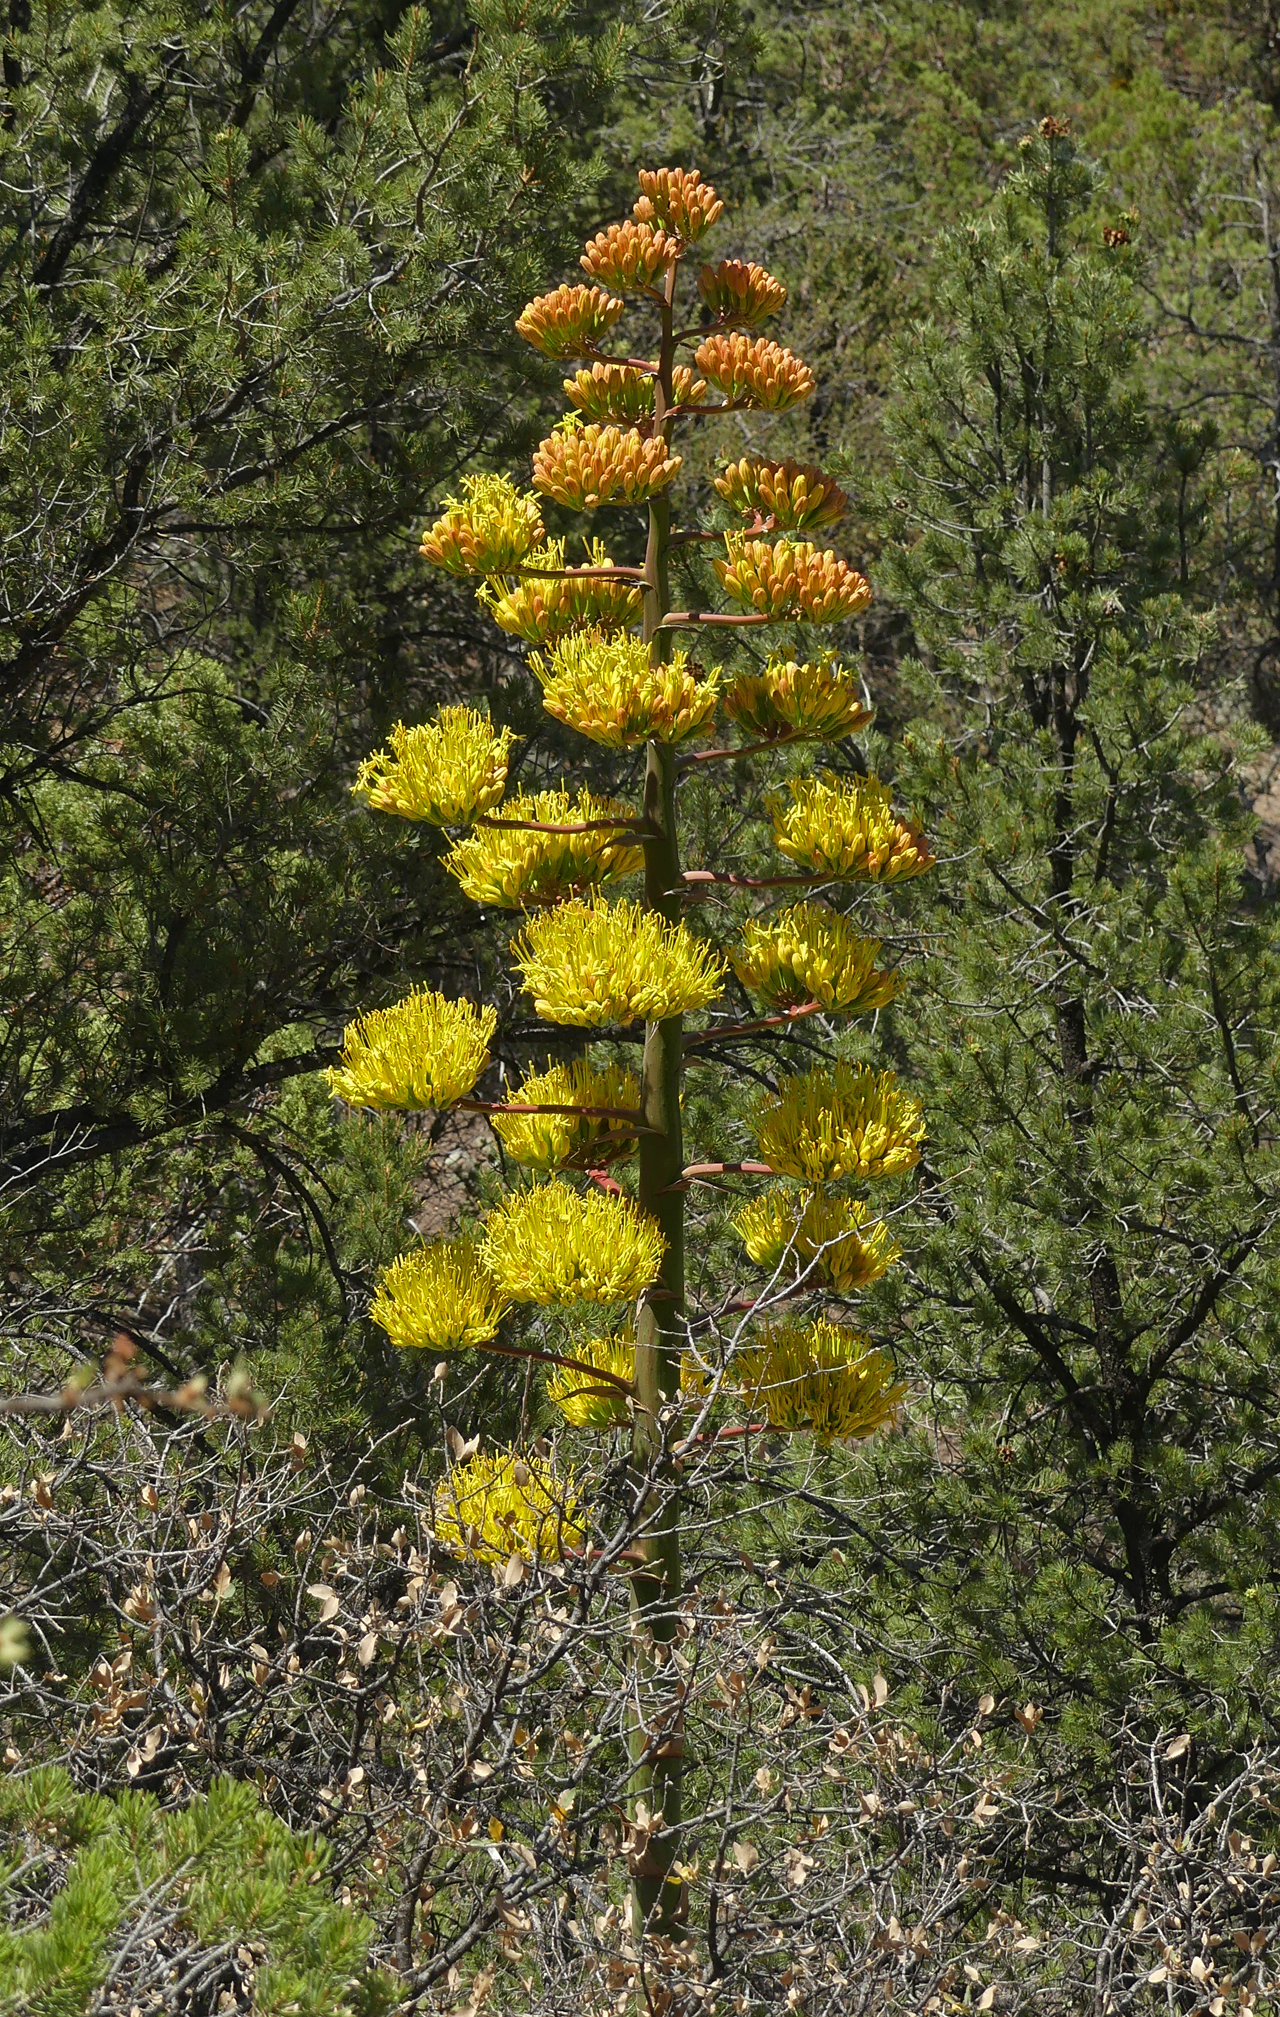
point(985, 1714)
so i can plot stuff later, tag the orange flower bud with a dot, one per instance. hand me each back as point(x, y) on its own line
point(590, 466)
point(794, 495)
point(570, 321)
point(624, 393)
point(791, 580)
point(740, 291)
point(678, 199)
point(758, 373)
point(630, 255)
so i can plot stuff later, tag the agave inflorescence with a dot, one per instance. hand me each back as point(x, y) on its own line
point(827, 1234)
point(425, 1052)
point(839, 1121)
point(753, 371)
point(446, 771)
point(544, 602)
point(489, 528)
point(553, 1244)
point(739, 291)
point(609, 689)
point(521, 859)
point(623, 392)
point(630, 254)
point(588, 466)
point(816, 700)
point(679, 200)
point(601, 1129)
point(796, 496)
point(592, 963)
point(503, 1503)
point(570, 321)
point(439, 1296)
point(811, 954)
point(847, 827)
point(582, 1396)
point(790, 579)
point(821, 1377)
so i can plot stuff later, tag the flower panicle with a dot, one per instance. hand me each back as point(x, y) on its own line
point(827, 1234)
point(608, 690)
point(679, 200)
point(753, 371)
point(591, 465)
point(513, 866)
point(490, 528)
point(424, 1053)
point(595, 1404)
point(446, 772)
point(739, 291)
point(847, 828)
point(553, 1244)
point(821, 1377)
point(838, 1121)
point(439, 1297)
point(501, 1503)
point(624, 393)
point(543, 606)
point(796, 496)
point(631, 254)
point(808, 954)
point(590, 963)
point(569, 321)
point(790, 579)
point(818, 700)
point(556, 1141)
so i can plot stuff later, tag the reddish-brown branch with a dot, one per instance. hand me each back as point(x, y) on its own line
point(689, 619)
point(693, 1172)
point(715, 1036)
point(582, 826)
point(709, 875)
point(748, 748)
point(589, 1113)
point(558, 1359)
point(577, 573)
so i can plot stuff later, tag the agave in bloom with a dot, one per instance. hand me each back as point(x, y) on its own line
point(589, 963)
point(630, 255)
point(595, 1404)
point(544, 605)
point(796, 496)
point(500, 1503)
point(607, 689)
point(839, 1121)
point(446, 771)
point(512, 866)
point(491, 527)
point(819, 700)
point(810, 953)
point(553, 1141)
point(552, 1244)
point(828, 1234)
point(822, 1377)
point(569, 321)
point(737, 290)
point(847, 827)
point(679, 200)
point(790, 579)
point(440, 1296)
point(753, 371)
point(426, 1052)
point(589, 466)
point(623, 392)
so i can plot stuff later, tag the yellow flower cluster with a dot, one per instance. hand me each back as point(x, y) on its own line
point(491, 527)
point(590, 466)
point(796, 496)
point(825, 1232)
point(791, 579)
point(552, 1244)
point(754, 371)
point(679, 200)
point(569, 321)
point(592, 963)
point(839, 1121)
point(822, 1377)
point(446, 771)
point(847, 827)
point(595, 1404)
point(499, 1504)
point(427, 1051)
point(737, 290)
point(630, 255)
point(553, 1141)
point(818, 700)
point(542, 608)
point(512, 866)
point(624, 393)
point(441, 1296)
point(607, 689)
point(810, 953)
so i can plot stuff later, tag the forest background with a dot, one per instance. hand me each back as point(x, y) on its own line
point(260, 270)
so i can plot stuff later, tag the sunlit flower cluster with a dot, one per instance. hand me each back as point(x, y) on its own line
point(818, 700)
point(796, 496)
point(440, 1297)
point(679, 200)
point(554, 1141)
point(822, 1377)
point(569, 321)
point(847, 827)
point(790, 579)
point(512, 866)
point(500, 1503)
point(552, 1244)
point(425, 1052)
point(446, 771)
point(837, 1121)
point(592, 963)
point(592, 465)
point(737, 290)
point(624, 393)
point(595, 1404)
point(630, 255)
point(753, 371)
point(490, 528)
point(826, 1233)
point(607, 689)
point(543, 607)
point(810, 953)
